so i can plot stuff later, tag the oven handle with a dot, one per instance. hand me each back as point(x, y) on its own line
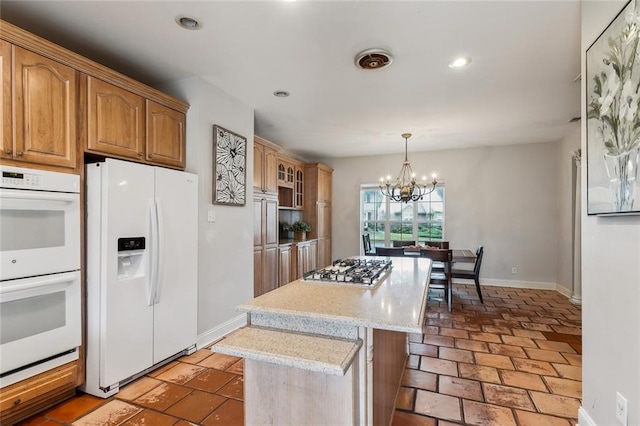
point(37, 282)
point(38, 195)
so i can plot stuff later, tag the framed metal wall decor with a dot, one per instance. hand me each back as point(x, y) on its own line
point(229, 167)
point(613, 122)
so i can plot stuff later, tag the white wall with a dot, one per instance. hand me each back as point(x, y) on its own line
point(505, 198)
point(225, 264)
point(610, 285)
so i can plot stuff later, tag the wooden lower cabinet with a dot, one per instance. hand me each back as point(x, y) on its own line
point(284, 265)
point(265, 270)
point(304, 258)
point(30, 396)
point(265, 243)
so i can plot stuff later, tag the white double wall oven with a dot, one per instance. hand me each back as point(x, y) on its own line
point(40, 315)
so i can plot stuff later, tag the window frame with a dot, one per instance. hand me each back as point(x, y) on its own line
point(388, 221)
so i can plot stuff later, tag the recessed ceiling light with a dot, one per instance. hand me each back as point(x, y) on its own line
point(460, 62)
point(281, 93)
point(188, 23)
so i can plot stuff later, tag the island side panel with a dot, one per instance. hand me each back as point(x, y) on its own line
point(277, 395)
point(389, 360)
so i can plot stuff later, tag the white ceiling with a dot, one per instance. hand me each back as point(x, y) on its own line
point(519, 87)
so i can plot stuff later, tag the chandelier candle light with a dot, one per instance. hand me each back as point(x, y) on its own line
point(406, 188)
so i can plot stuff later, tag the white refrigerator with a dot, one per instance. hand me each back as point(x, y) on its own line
point(142, 259)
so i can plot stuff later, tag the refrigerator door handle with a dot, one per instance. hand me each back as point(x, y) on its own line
point(153, 253)
point(159, 247)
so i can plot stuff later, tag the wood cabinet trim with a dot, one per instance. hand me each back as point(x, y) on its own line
point(36, 44)
point(19, 395)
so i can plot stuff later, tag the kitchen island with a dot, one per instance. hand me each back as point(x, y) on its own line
point(330, 352)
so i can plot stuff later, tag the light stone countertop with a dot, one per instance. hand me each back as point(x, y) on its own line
point(328, 355)
point(398, 303)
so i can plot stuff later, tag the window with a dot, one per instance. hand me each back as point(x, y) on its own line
point(385, 220)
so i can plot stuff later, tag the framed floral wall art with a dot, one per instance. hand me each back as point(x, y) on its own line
point(613, 123)
point(229, 167)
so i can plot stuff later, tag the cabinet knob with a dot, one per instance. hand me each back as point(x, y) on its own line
point(139, 154)
point(149, 156)
point(8, 152)
point(19, 153)
point(17, 401)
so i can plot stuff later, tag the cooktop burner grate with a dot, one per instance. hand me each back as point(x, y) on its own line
point(364, 272)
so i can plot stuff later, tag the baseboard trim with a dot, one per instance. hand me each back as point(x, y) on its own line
point(564, 291)
point(584, 419)
point(535, 285)
point(217, 333)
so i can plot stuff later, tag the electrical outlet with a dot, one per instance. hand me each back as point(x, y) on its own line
point(514, 270)
point(211, 216)
point(621, 409)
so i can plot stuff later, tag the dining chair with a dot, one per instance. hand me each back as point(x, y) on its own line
point(366, 243)
point(403, 243)
point(438, 266)
point(441, 278)
point(436, 244)
point(390, 251)
point(472, 274)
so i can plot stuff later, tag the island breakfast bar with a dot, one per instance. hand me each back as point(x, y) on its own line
point(330, 352)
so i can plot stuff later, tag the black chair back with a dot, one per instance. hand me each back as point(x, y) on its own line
point(476, 267)
point(402, 243)
point(390, 251)
point(437, 244)
point(366, 243)
point(441, 277)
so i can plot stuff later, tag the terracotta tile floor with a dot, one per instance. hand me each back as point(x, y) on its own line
point(514, 360)
point(203, 388)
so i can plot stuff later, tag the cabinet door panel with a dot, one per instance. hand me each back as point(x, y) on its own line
point(6, 150)
point(270, 170)
point(115, 120)
point(257, 272)
point(271, 221)
point(258, 166)
point(299, 188)
point(312, 256)
point(257, 222)
point(284, 265)
point(45, 110)
point(270, 265)
point(165, 135)
point(323, 220)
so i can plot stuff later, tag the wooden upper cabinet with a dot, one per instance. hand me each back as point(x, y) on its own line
point(123, 124)
point(165, 135)
point(44, 97)
point(116, 121)
point(6, 150)
point(258, 166)
point(286, 172)
point(265, 163)
point(270, 163)
point(324, 184)
point(299, 188)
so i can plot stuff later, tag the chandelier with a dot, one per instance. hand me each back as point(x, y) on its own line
point(406, 188)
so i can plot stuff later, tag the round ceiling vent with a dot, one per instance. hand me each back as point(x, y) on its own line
point(373, 59)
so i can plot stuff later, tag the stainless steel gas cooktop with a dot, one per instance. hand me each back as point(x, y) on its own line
point(363, 272)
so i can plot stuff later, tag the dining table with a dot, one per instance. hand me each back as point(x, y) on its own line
point(458, 255)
